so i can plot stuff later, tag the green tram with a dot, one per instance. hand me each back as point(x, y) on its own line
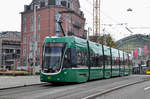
point(72, 59)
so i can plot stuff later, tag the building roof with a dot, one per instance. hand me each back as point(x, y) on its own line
point(134, 38)
point(133, 42)
point(10, 35)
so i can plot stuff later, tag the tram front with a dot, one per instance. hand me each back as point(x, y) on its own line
point(52, 57)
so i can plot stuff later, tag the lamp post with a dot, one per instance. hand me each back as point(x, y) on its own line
point(14, 65)
point(4, 60)
point(35, 41)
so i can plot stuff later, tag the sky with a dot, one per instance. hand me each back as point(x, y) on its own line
point(113, 12)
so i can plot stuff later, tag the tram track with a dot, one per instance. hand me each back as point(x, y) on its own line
point(74, 91)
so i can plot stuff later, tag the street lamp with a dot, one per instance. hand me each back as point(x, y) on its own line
point(35, 41)
point(4, 60)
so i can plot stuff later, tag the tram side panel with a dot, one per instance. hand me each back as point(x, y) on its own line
point(107, 61)
point(115, 62)
point(96, 61)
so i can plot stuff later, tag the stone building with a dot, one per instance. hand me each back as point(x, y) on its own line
point(47, 14)
point(10, 43)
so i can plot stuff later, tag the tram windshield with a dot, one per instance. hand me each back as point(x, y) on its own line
point(52, 57)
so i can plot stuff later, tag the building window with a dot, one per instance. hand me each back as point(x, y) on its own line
point(31, 18)
point(69, 4)
point(38, 38)
point(51, 2)
point(57, 27)
point(31, 28)
point(24, 52)
point(57, 2)
point(57, 16)
point(64, 3)
point(25, 20)
point(25, 29)
point(42, 4)
point(31, 43)
point(38, 22)
point(25, 40)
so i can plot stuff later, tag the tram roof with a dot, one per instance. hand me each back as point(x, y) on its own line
point(67, 39)
point(95, 47)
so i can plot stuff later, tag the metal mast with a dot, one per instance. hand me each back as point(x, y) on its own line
point(96, 17)
point(35, 41)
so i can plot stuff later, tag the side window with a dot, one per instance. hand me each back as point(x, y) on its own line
point(67, 59)
point(107, 60)
point(113, 61)
point(73, 57)
point(92, 59)
point(86, 58)
point(97, 60)
point(117, 61)
point(82, 58)
point(121, 61)
point(100, 62)
point(79, 57)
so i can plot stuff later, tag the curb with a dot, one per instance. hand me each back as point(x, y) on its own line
point(113, 89)
point(21, 86)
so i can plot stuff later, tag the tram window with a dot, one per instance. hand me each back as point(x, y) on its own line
point(74, 57)
point(114, 62)
point(86, 58)
point(117, 60)
point(82, 58)
point(121, 62)
point(67, 59)
point(126, 62)
point(108, 61)
point(92, 58)
point(100, 61)
point(96, 60)
point(79, 57)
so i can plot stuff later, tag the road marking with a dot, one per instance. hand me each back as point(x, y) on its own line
point(146, 88)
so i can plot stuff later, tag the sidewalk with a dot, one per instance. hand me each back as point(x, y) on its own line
point(16, 81)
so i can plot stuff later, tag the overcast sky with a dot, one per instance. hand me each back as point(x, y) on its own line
point(112, 12)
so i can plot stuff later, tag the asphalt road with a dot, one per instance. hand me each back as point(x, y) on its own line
point(69, 91)
point(137, 91)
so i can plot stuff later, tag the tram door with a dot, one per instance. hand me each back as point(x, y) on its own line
point(107, 62)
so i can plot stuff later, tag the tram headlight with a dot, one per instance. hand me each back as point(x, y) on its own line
point(49, 77)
